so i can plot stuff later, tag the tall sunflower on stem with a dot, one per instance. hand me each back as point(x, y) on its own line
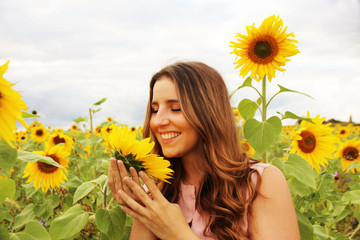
point(349, 152)
point(124, 146)
point(261, 52)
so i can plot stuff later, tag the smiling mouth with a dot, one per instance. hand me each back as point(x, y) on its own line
point(168, 136)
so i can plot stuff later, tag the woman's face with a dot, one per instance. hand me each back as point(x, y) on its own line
point(172, 130)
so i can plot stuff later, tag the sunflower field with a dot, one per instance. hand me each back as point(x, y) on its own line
point(53, 181)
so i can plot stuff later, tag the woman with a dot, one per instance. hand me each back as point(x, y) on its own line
point(216, 192)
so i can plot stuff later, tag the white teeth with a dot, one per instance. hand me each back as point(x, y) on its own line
point(167, 136)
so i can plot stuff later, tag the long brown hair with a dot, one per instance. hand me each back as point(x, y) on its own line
point(226, 189)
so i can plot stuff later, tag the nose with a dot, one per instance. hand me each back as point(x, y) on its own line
point(161, 118)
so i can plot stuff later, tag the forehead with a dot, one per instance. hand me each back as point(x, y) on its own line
point(164, 89)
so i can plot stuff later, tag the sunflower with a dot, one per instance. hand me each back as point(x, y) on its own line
point(343, 132)
point(11, 105)
point(46, 175)
point(349, 152)
point(109, 119)
point(264, 49)
point(135, 153)
point(314, 142)
point(39, 134)
point(58, 138)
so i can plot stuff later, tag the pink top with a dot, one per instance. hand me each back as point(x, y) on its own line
point(187, 200)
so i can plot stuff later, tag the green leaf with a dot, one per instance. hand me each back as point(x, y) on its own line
point(28, 115)
point(69, 224)
point(261, 135)
point(111, 222)
point(45, 208)
point(300, 169)
point(298, 188)
point(4, 235)
point(100, 102)
point(7, 189)
point(246, 83)
point(7, 156)
point(100, 179)
point(284, 89)
point(247, 108)
point(26, 215)
point(352, 197)
point(87, 141)
point(320, 232)
point(353, 165)
point(80, 119)
point(305, 226)
point(293, 116)
point(83, 190)
point(33, 231)
point(34, 157)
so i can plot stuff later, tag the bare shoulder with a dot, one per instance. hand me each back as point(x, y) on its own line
point(273, 212)
point(272, 182)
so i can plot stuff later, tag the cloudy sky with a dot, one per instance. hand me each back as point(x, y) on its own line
point(66, 55)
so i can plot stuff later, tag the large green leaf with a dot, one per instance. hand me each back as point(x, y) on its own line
point(7, 189)
point(320, 232)
point(247, 108)
point(7, 156)
point(83, 190)
point(261, 135)
point(46, 207)
point(298, 188)
point(26, 215)
point(33, 231)
point(300, 169)
point(305, 226)
point(80, 119)
point(351, 196)
point(69, 224)
point(111, 222)
point(34, 157)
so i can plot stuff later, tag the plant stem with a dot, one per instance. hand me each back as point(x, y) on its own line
point(355, 231)
point(105, 193)
point(263, 112)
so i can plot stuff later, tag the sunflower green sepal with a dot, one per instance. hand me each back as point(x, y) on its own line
point(129, 161)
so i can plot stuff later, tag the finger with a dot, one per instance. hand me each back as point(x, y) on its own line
point(114, 177)
point(154, 190)
point(161, 185)
point(134, 175)
point(138, 191)
point(123, 173)
point(131, 203)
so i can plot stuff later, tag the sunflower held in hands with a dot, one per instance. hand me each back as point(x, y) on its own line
point(124, 146)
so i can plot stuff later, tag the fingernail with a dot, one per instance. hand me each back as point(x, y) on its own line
point(141, 174)
point(126, 179)
point(121, 192)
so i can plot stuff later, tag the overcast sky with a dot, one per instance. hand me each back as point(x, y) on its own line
point(66, 55)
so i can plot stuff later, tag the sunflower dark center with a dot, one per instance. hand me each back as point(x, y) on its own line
point(39, 132)
point(308, 142)
point(342, 132)
point(350, 153)
point(47, 168)
point(58, 140)
point(263, 50)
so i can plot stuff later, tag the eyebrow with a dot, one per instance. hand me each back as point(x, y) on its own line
point(168, 101)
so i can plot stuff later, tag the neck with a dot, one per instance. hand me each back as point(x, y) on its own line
point(192, 172)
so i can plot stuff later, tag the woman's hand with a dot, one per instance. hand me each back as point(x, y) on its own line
point(163, 218)
point(116, 174)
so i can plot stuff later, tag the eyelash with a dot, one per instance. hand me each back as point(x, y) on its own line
point(174, 110)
